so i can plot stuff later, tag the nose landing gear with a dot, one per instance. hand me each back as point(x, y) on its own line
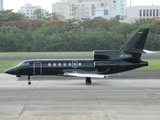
point(29, 80)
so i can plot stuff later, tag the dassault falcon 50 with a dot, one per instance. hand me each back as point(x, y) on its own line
point(105, 62)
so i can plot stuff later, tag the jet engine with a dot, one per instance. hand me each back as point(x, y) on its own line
point(104, 65)
point(105, 54)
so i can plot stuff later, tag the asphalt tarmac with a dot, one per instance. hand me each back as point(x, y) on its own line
point(133, 95)
point(70, 99)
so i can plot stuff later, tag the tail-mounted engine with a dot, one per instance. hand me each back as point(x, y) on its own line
point(104, 65)
point(105, 54)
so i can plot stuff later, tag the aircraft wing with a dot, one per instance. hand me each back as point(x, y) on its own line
point(85, 75)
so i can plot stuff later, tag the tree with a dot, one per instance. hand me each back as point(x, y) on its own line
point(73, 23)
point(11, 39)
point(97, 23)
point(41, 14)
point(116, 19)
point(143, 23)
point(124, 29)
point(57, 26)
point(55, 16)
point(22, 24)
point(9, 15)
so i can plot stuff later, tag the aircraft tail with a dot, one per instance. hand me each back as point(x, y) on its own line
point(134, 47)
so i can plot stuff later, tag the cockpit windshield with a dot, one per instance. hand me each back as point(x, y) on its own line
point(23, 64)
point(20, 64)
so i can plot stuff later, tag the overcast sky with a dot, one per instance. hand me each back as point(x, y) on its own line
point(47, 4)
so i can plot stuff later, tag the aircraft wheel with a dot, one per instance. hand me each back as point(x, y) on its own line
point(29, 80)
point(29, 83)
point(88, 81)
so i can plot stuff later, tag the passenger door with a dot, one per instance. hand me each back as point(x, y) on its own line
point(74, 63)
point(37, 68)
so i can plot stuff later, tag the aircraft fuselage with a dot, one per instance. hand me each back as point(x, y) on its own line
point(59, 67)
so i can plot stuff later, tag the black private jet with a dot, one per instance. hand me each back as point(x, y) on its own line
point(105, 62)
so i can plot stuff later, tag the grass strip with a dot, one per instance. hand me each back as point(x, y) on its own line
point(154, 64)
point(44, 53)
point(5, 64)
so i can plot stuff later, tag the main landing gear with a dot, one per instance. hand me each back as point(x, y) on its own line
point(88, 81)
point(29, 80)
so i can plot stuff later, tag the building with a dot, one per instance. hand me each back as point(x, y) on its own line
point(84, 9)
point(137, 12)
point(1, 4)
point(28, 10)
point(62, 8)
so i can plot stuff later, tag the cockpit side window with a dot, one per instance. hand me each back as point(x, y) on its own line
point(26, 64)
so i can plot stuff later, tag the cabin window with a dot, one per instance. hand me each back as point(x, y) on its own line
point(75, 64)
point(49, 64)
point(69, 64)
point(54, 64)
point(64, 64)
point(59, 64)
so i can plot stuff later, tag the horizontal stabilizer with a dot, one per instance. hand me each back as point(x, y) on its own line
point(132, 50)
point(138, 51)
point(148, 51)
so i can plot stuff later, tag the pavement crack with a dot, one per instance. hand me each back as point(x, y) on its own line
point(99, 103)
point(27, 101)
point(103, 109)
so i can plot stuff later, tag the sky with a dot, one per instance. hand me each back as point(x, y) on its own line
point(47, 4)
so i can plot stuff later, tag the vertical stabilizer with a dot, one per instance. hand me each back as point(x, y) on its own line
point(134, 47)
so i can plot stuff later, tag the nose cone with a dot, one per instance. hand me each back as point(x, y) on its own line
point(11, 71)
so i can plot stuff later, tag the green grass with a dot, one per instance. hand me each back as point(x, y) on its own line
point(5, 64)
point(157, 52)
point(44, 53)
point(154, 64)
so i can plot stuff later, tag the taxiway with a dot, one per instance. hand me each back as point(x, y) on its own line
point(129, 98)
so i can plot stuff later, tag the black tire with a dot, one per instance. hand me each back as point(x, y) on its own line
point(29, 83)
point(88, 81)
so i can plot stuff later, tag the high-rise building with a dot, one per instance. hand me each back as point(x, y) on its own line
point(84, 9)
point(1, 4)
point(137, 12)
point(28, 10)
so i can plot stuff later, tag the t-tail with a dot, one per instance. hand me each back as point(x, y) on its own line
point(133, 48)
